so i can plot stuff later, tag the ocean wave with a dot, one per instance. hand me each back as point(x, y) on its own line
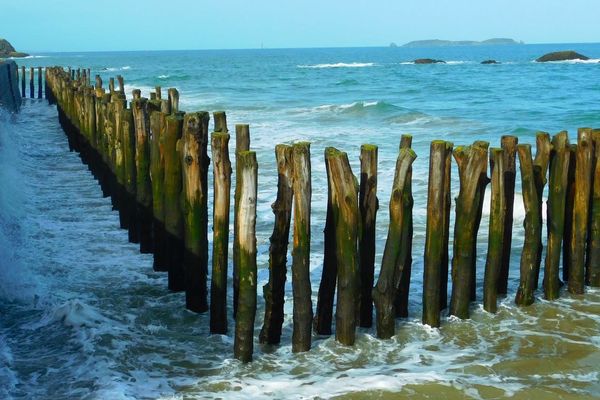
point(347, 82)
point(357, 107)
point(113, 69)
point(339, 65)
point(590, 61)
point(163, 76)
point(451, 62)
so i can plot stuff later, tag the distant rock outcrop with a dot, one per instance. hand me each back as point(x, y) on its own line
point(7, 50)
point(490, 62)
point(447, 43)
point(562, 56)
point(428, 61)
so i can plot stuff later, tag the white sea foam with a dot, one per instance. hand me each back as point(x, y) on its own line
point(163, 76)
point(577, 61)
point(339, 65)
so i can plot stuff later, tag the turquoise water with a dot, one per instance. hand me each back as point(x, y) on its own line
point(84, 316)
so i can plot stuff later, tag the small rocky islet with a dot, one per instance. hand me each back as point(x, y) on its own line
point(7, 50)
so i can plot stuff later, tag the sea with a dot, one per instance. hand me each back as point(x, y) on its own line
point(84, 316)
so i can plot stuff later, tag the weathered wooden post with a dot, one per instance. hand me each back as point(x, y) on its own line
point(581, 209)
point(23, 81)
point(121, 84)
point(143, 181)
point(195, 164)
point(157, 177)
point(557, 191)
point(136, 94)
point(111, 85)
point(401, 301)
point(533, 228)
point(244, 323)
point(434, 236)
point(222, 189)
point(493, 263)
point(242, 143)
point(174, 100)
point(302, 191)
point(540, 170)
point(324, 313)
point(274, 290)
point(394, 253)
point(220, 122)
point(129, 171)
point(509, 145)
point(368, 205)
point(593, 256)
point(31, 88)
point(39, 82)
point(174, 224)
point(569, 201)
point(471, 162)
point(446, 227)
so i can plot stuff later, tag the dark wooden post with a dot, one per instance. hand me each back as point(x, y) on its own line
point(242, 143)
point(301, 185)
point(569, 201)
point(557, 194)
point(446, 227)
point(244, 323)
point(581, 209)
point(221, 202)
point(158, 92)
point(385, 291)
point(23, 81)
point(143, 180)
point(368, 205)
point(111, 85)
point(31, 88)
point(509, 145)
point(220, 122)
point(157, 176)
point(540, 171)
point(593, 256)
point(121, 84)
point(174, 100)
point(40, 82)
point(274, 290)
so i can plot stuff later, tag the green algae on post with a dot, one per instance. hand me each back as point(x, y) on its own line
point(157, 177)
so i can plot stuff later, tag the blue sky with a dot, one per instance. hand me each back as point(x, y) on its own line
point(66, 25)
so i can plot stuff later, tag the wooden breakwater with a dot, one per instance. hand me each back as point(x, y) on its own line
point(152, 159)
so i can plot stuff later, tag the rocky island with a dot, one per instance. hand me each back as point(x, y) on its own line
point(562, 56)
point(7, 50)
point(447, 43)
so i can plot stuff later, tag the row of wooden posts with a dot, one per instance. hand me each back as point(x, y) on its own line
point(153, 160)
point(31, 82)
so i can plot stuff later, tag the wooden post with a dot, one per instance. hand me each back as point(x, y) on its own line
point(384, 293)
point(195, 164)
point(324, 314)
point(581, 209)
point(40, 82)
point(493, 263)
point(31, 88)
point(174, 100)
point(157, 176)
point(569, 201)
point(446, 227)
point(23, 81)
point(143, 181)
point(220, 122)
point(593, 258)
point(368, 205)
point(405, 264)
point(221, 201)
point(434, 236)
point(471, 162)
point(129, 173)
point(557, 191)
point(274, 290)
point(533, 228)
point(174, 224)
point(98, 82)
point(158, 92)
point(301, 186)
point(540, 170)
point(509, 145)
point(242, 143)
point(111, 85)
point(136, 94)
point(244, 324)
point(121, 84)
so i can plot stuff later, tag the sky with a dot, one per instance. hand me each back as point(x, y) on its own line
point(89, 25)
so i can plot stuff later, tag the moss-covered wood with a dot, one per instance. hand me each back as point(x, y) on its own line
point(129, 174)
point(274, 290)
point(194, 163)
point(246, 212)
point(471, 162)
point(220, 125)
point(493, 263)
point(540, 171)
point(157, 177)
point(385, 291)
point(434, 233)
point(557, 191)
point(509, 145)
point(302, 192)
point(158, 91)
point(221, 203)
point(242, 143)
point(121, 84)
point(173, 182)
point(581, 209)
point(405, 263)
point(326, 296)
point(569, 201)
point(533, 228)
point(368, 205)
point(173, 100)
point(593, 248)
point(143, 191)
